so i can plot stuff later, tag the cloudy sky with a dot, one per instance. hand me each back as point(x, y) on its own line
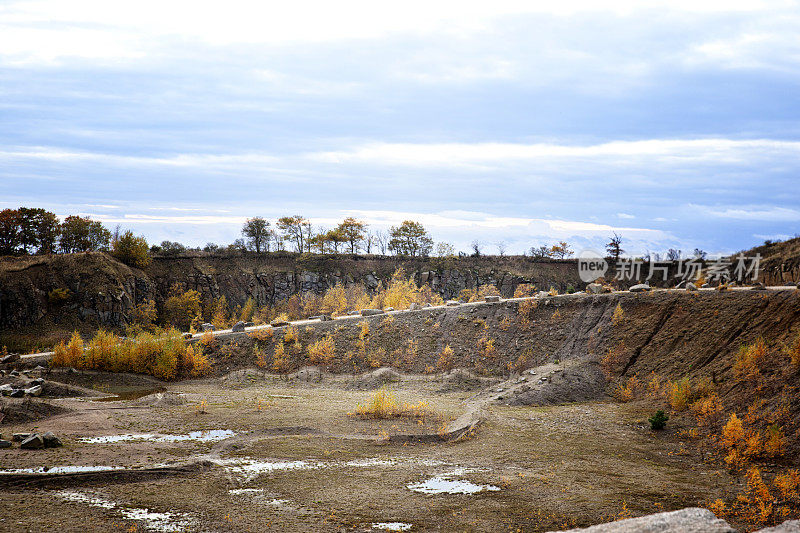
point(675, 125)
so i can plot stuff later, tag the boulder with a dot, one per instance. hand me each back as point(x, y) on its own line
point(492, 298)
point(34, 442)
point(353, 313)
point(279, 323)
point(594, 288)
point(705, 286)
point(790, 526)
point(50, 440)
point(6, 389)
point(542, 294)
point(641, 287)
point(453, 303)
point(5, 444)
point(371, 312)
point(388, 309)
point(239, 326)
point(207, 327)
point(19, 437)
point(325, 318)
point(758, 286)
point(17, 393)
point(426, 305)
point(689, 520)
point(248, 324)
point(413, 307)
point(691, 286)
point(38, 381)
point(10, 358)
point(36, 391)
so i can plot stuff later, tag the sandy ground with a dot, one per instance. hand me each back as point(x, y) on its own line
point(294, 459)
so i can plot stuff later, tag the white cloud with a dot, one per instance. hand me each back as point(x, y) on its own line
point(625, 215)
point(772, 214)
point(465, 154)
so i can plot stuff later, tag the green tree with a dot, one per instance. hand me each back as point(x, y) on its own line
point(82, 234)
point(257, 234)
point(48, 229)
point(9, 231)
point(411, 239)
point(561, 250)
point(131, 250)
point(295, 229)
point(353, 231)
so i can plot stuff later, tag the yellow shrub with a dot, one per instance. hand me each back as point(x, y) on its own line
point(182, 308)
point(446, 359)
point(322, 352)
point(618, 316)
point(383, 404)
point(334, 302)
point(749, 359)
point(290, 335)
point(524, 290)
point(248, 310)
point(280, 361)
point(68, 354)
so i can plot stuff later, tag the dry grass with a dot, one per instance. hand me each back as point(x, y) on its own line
point(384, 404)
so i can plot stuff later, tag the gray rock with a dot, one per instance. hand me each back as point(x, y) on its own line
point(14, 373)
point(594, 288)
point(34, 442)
point(36, 391)
point(279, 323)
point(681, 285)
point(413, 307)
point(689, 520)
point(371, 312)
point(5, 444)
point(17, 393)
point(353, 313)
point(705, 286)
point(325, 318)
point(641, 287)
point(388, 309)
point(758, 286)
point(6, 389)
point(790, 526)
point(426, 305)
point(50, 440)
point(208, 327)
point(452, 303)
point(239, 326)
point(38, 381)
point(691, 286)
point(19, 437)
point(492, 298)
point(542, 294)
point(249, 324)
point(10, 358)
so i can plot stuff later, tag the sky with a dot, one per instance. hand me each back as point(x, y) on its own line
point(674, 124)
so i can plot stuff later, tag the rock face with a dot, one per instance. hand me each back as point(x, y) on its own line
point(104, 292)
point(790, 526)
point(689, 520)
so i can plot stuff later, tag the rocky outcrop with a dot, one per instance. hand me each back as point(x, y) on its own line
point(689, 520)
point(94, 289)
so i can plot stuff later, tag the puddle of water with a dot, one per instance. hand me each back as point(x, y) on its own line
point(60, 469)
point(250, 468)
point(212, 435)
point(370, 462)
point(127, 393)
point(392, 526)
point(441, 485)
point(161, 522)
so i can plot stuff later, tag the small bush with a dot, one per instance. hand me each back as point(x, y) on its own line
point(446, 359)
point(658, 421)
point(618, 316)
point(323, 351)
point(290, 335)
point(382, 405)
point(59, 296)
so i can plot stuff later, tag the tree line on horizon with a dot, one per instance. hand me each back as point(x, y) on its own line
point(26, 231)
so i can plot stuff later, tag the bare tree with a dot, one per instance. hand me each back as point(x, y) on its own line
point(476, 248)
point(673, 255)
point(614, 247)
point(382, 241)
point(501, 247)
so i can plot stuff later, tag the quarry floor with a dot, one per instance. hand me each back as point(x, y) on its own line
point(292, 458)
